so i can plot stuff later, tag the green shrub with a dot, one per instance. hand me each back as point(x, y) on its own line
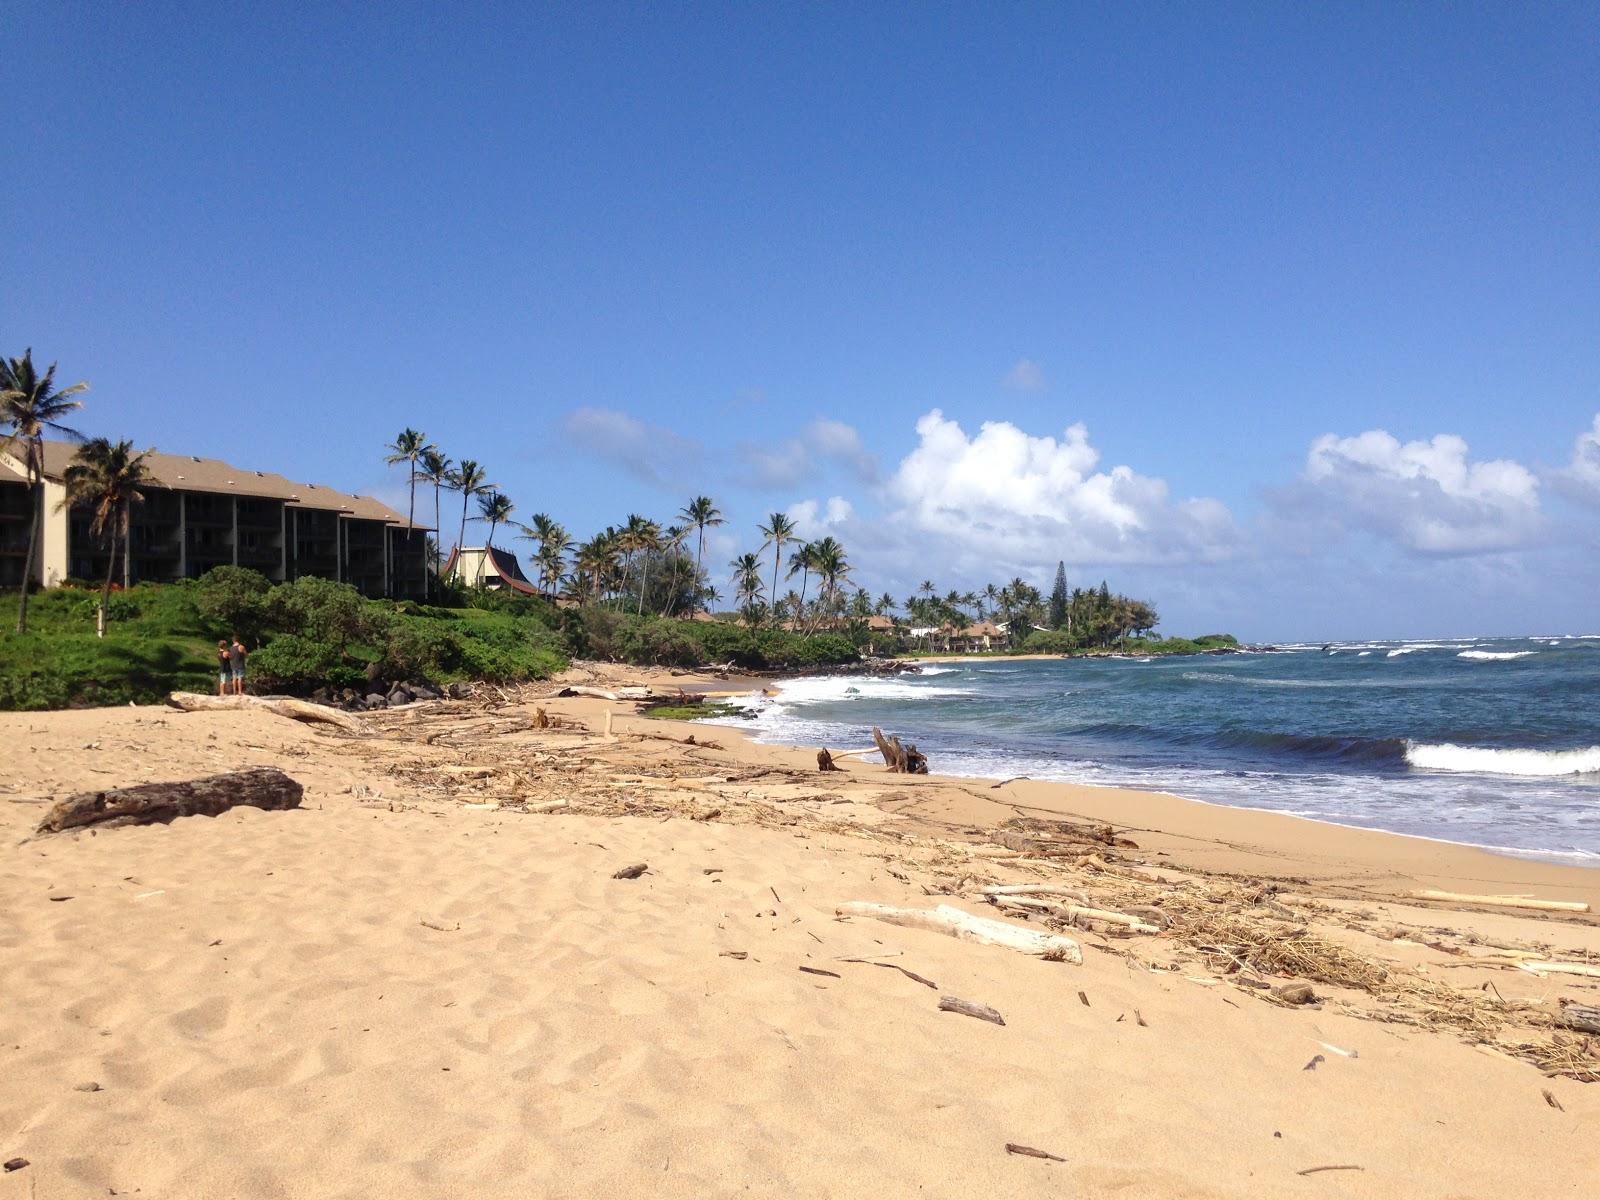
point(334, 614)
point(1048, 641)
point(234, 599)
point(291, 662)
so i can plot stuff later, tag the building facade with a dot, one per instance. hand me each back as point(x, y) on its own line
point(200, 513)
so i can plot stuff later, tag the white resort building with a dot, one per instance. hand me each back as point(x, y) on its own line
point(200, 513)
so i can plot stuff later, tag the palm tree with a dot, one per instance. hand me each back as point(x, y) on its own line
point(641, 536)
point(833, 569)
point(107, 477)
point(672, 540)
point(747, 583)
point(434, 468)
point(409, 448)
point(469, 479)
point(553, 546)
point(31, 403)
point(884, 606)
point(803, 560)
point(496, 509)
point(778, 530)
point(702, 513)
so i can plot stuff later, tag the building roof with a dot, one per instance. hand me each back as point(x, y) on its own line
point(189, 473)
point(500, 562)
point(982, 629)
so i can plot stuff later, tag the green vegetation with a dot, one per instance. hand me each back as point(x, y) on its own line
point(692, 712)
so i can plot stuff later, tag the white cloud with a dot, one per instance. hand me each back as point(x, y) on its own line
point(1004, 498)
point(812, 520)
point(651, 452)
point(787, 462)
point(1580, 479)
point(1025, 376)
point(1427, 496)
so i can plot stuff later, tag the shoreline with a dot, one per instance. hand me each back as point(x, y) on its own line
point(482, 937)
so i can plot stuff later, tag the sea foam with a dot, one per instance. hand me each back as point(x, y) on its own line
point(1486, 760)
point(1494, 655)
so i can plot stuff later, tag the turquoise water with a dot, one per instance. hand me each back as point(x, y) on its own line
point(1489, 741)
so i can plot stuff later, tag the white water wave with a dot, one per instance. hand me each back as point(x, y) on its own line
point(1486, 760)
point(1494, 655)
point(1364, 653)
point(835, 688)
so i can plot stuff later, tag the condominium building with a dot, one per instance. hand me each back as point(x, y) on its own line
point(199, 513)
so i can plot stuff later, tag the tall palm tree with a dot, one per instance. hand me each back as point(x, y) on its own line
point(778, 530)
point(106, 476)
point(702, 513)
point(672, 540)
point(30, 404)
point(409, 448)
point(642, 537)
point(553, 546)
point(496, 509)
point(803, 560)
point(832, 569)
point(884, 606)
point(747, 583)
point(434, 468)
point(469, 479)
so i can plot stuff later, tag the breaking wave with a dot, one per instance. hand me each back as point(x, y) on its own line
point(1494, 655)
point(1486, 760)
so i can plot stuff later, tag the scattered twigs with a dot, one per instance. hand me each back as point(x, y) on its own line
point(1540, 967)
point(968, 1009)
point(631, 872)
point(912, 975)
point(1331, 1167)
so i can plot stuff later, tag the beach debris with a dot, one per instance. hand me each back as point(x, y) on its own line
point(903, 760)
point(986, 931)
point(1339, 1050)
point(968, 1009)
point(90, 1086)
point(1014, 779)
point(820, 971)
point(1550, 1099)
point(1295, 993)
point(1084, 997)
point(15, 1164)
point(741, 955)
point(1045, 838)
point(58, 897)
point(545, 806)
point(912, 975)
point(631, 872)
point(1030, 1152)
point(283, 706)
point(442, 928)
point(1538, 967)
point(825, 761)
point(1572, 906)
point(1331, 1167)
point(1077, 914)
point(153, 803)
point(1139, 1019)
point(1580, 1017)
point(1312, 1065)
point(774, 892)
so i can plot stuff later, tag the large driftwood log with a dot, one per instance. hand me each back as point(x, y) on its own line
point(1580, 1017)
point(955, 923)
point(152, 803)
point(904, 760)
point(283, 706)
point(1077, 913)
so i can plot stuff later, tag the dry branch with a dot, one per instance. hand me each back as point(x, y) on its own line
point(283, 706)
point(968, 1009)
point(986, 931)
point(1572, 906)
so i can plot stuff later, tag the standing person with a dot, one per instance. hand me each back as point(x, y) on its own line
point(224, 668)
point(236, 656)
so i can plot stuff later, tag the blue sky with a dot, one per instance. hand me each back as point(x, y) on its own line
point(623, 255)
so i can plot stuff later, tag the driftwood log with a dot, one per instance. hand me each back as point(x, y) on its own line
point(825, 761)
point(903, 760)
point(283, 706)
point(1582, 1017)
point(153, 803)
point(967, 1008)
point(1572, 906)
point(986, 931)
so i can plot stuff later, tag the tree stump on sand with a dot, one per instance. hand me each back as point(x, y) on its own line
point(903, 760)
point(825, 761)
point(152, 803)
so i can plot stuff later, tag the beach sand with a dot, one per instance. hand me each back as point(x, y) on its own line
point(388, 992)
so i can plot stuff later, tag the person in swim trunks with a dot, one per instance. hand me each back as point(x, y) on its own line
point(236, 657)
point(224, 668)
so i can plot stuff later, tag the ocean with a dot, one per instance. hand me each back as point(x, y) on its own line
point(1492, 742)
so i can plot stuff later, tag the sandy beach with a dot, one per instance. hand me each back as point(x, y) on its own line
point(426, 981)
